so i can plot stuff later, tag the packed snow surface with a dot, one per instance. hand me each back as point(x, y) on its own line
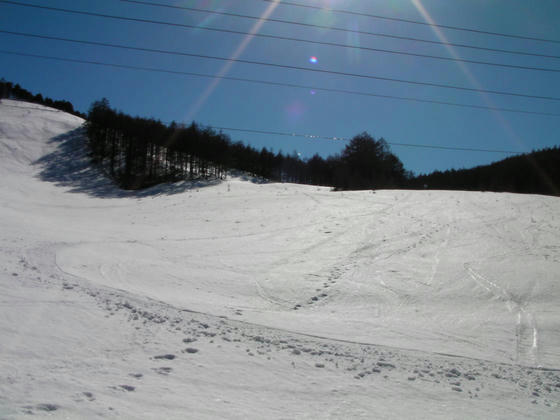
point(239, 299)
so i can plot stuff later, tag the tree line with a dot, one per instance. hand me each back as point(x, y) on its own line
point(8, 90)
point(537, 172)
point(138, 152)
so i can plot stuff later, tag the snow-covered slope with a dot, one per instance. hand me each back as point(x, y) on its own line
point(240, 300)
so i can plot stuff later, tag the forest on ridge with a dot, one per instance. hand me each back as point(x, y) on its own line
point(140, 152)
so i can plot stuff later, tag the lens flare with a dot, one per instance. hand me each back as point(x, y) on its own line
point(313, 59)
point(295, 111)
point(515, 138)
point(353, 38)
point(229, 64)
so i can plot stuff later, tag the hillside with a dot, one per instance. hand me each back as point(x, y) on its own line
point(537, 172)
point(245, 300)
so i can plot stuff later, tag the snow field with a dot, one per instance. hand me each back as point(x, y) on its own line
point(243, 300)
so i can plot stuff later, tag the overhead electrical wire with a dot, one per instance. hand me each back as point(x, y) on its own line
point(286, 66)
point(284, 38)
point(308, 136)
point(271, 64)
point(416, 22)
point(299, 68)
point(334, 28)
point(277, 84)
point(140, 20)
point(311, 137)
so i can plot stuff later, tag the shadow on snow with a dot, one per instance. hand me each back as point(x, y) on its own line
point(70, 166)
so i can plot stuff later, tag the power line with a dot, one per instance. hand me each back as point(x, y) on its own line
point(286, 66)
point(278, 133)
point(284, 38)
point(277, 84)
point(416, 22)
point(311, 137)
point(334, 28)
point(102, 15)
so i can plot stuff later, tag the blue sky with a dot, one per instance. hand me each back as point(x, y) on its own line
point(229, 103)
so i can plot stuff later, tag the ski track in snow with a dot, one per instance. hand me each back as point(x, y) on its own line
point(270, 301)
point(366, 364)
point(526, 328)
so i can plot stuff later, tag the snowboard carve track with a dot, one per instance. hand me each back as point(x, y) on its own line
point(526, 332)
point(437, 257)
point(527, 337)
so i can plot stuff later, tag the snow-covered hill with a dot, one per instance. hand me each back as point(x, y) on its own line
point(244, 300)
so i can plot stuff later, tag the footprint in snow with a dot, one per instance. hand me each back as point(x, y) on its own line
point(165, 357)
point(89, 395)
point(163, 370)
point(47, 407)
